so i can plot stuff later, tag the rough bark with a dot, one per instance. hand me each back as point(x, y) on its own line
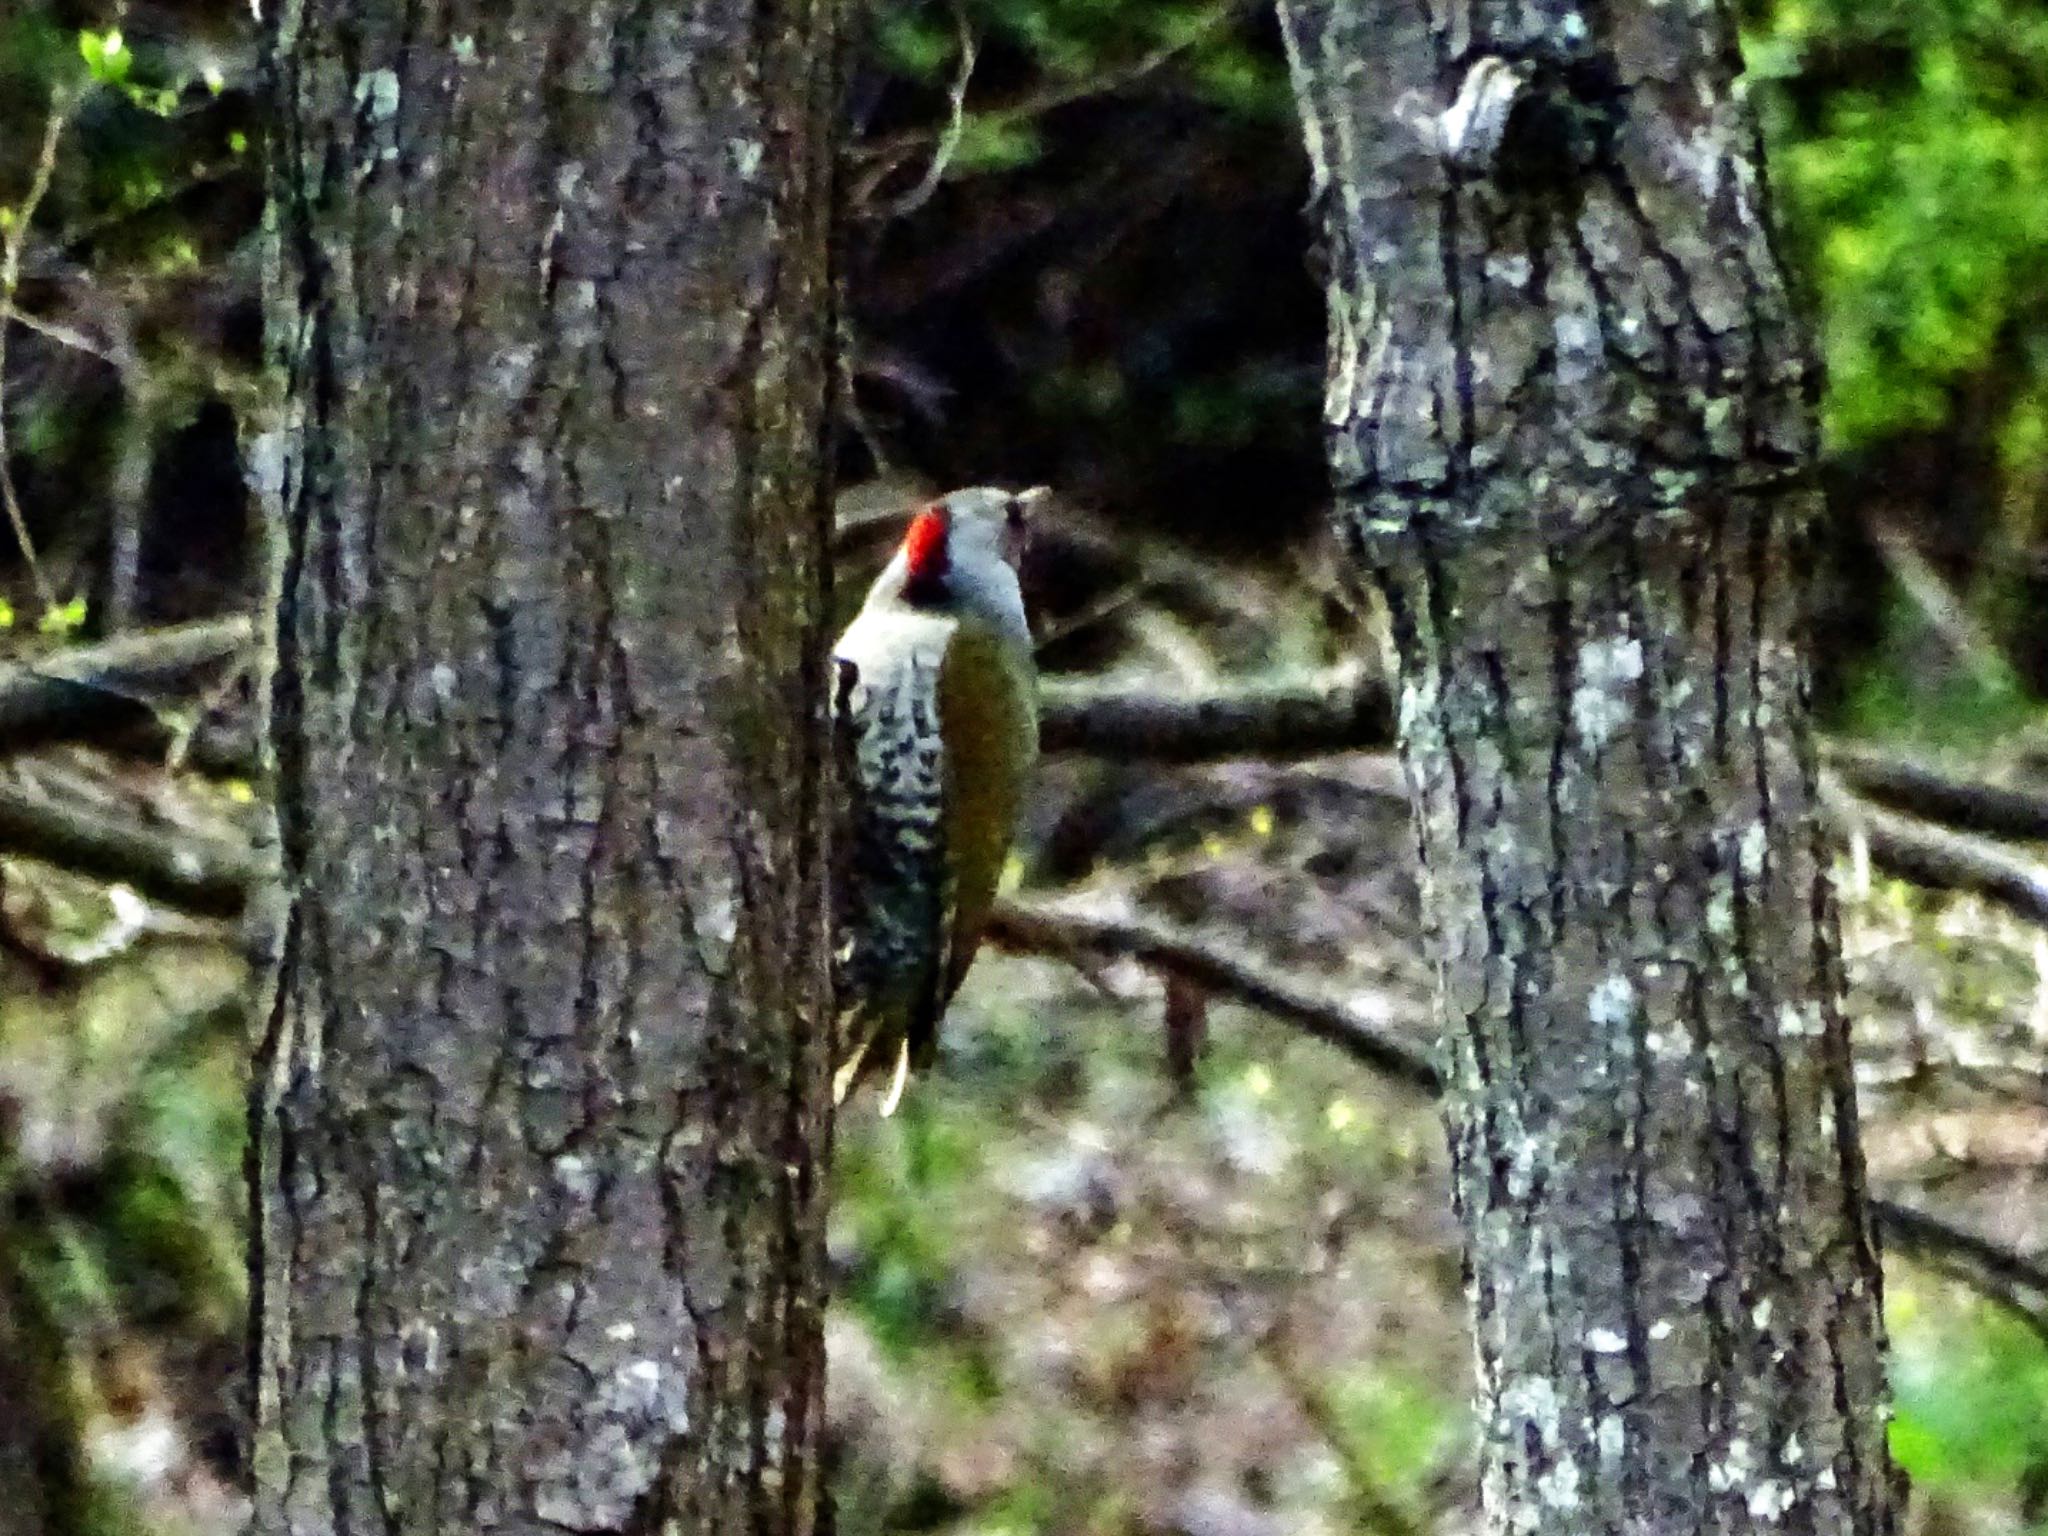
point(1570, 421)
point(538, 1116)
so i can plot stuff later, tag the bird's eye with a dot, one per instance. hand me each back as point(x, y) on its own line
point(1015, 515)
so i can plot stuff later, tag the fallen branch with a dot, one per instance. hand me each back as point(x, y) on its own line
point(2003, 1275)
point(2008, 1278)
point(86, 689)
point(1274, 722)
point(1049, 931)
point(198, 872)
point(1912, 784)
point(214, 874)
point(1934, 857)
point(83, 689)
point(1344, 712)
point(1349, 714)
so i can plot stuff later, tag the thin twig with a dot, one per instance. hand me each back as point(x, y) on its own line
point(1104, 608)
point(63, 335)
point(128, 498)
point(69, 242)
point(850, 407)
point(1946, 613)
point(1038, 103)
point(12, 241)
point(193, 743)
point(1377, 1509)
point(949, 139)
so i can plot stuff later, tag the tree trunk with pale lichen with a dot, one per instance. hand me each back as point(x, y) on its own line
point(1570, 420)
point(540, 1109)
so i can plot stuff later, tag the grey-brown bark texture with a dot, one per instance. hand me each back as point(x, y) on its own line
point(1570, 418)
point(538, 1117)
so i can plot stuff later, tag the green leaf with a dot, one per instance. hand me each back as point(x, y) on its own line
point(993, 143)
point(106, 54)
point(63, 620)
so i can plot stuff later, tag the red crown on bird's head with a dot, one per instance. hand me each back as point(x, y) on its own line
point(925, 557)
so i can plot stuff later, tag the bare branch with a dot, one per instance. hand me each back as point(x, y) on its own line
point(214, 874)
point(1277, 722)
point(1378, 1511)
point(1946, 613)
point(2011, 1279)
point(1067, 934)
point(1937, 858)
point(13, 238)
point(1106, 607)
point(949, 139)
point(891, 150)
point(60, 333)
point(1912, 784)
point(198, 872)
point(80, 689)
point(1349, 713)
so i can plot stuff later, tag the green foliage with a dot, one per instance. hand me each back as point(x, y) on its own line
point(898, 1190)
point(1395, 1431)
point(64, 620)
point(151, 144)
point(1971, 1389)
point(1909, 149)
point(106, 55)
point(991, 141)
point(135, 1068)
point(1911, 145)
point(1896, 694)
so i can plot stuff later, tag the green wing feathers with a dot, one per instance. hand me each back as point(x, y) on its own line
point(988, 714)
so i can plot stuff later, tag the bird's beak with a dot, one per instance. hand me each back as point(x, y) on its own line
point(1017, 536)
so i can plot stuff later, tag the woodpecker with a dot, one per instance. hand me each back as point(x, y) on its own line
point(936, 711)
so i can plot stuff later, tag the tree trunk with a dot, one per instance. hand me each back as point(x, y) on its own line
point(1570, 419)
point(539, 1115)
